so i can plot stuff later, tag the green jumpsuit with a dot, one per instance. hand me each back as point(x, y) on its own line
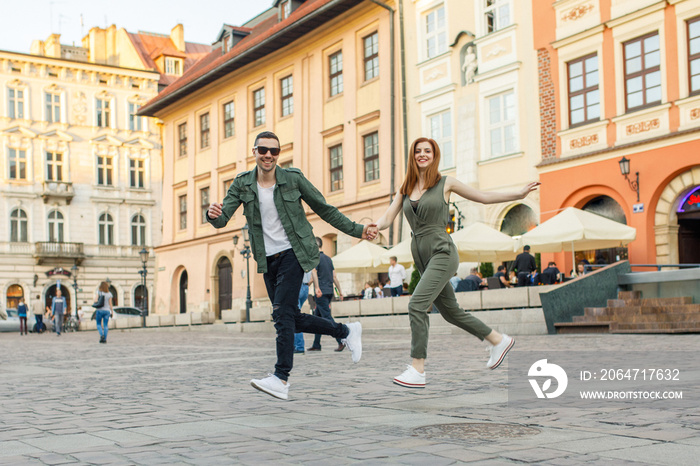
point(436, 258)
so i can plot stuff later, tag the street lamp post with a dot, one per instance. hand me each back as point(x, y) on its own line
point(143, 272)
point(625, 170)
point(74, 269)
point(246, 252)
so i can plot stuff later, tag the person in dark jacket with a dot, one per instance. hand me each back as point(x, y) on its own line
point(524, 264)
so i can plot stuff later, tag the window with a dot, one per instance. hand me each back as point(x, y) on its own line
point(53, 107)
point(18, 226)
point(182, 138)
point(138, 230)
point(136, 173)
point(371, 145)
point(104, 170)
point(287, 85)
point(336, 72)
point(287, 164)
point(336, 156)
point(135, 121)
point(15, 103)
point(435, 32)
point(173, 66)
point(496, 14)
point(694, 54)
point(18, 164)
point(227, 184)
point(259, 107)
point(105, 227)
point(103, 112)
point(441, 132)
point(584, 97)
point(642, 71)
point(55, 226)
point(286, 9)
point(502, 124)
point(182, 203)
point(204, 130)
point(54, 166)
point(204, 202)
point(371, 59)
point(228, 120)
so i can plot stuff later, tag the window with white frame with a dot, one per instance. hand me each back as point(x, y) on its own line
point(136, 123)
point(335, 68)
point(137, 173)
point(173, 66)
point(105, 227)
point(496, 14)
point(501, 113)
point(103, 106)
point(287, 88)
point(435, 32)
point(17, 164)
point(105, 170)
point(584, 95)
point(138, 230)
point(441, 131)
point(229, 129)
point(204, 131)
point(18, 226)
point(53, 107)
point(55, 224)
point(259, 107)
point(371, 55)
point(286, 9)
point(204, 203)
point(15, 103)
point(54, 166)
point(336, 164)
point(371, 156)
point(182, 203)
point(642, 71)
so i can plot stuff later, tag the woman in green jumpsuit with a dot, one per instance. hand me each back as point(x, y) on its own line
point(424, 198)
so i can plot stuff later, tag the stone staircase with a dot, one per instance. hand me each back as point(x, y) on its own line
point(632, 314)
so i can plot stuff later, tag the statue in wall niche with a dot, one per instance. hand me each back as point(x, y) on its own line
point(469, 64)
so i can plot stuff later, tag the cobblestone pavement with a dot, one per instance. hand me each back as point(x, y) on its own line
point(158, 397)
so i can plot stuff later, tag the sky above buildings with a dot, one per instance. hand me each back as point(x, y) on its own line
point(21, 22)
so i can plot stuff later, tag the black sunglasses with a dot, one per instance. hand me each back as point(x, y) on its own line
point(262, 150)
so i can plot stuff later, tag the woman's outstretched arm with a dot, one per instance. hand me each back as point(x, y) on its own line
point(453, 185)
point(391, 213)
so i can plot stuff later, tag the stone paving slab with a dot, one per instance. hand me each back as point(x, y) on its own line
point(185, 398)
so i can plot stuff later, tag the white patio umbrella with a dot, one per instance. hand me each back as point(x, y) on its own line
point(402, 251)
point(577, 230)
point(364, 257)
point(481, 243)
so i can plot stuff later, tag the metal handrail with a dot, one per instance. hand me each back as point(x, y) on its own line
point(588, 267)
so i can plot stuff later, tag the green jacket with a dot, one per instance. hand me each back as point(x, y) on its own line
point(291, 188)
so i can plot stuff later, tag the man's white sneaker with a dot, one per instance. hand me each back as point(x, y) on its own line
point(354, 341)
point(499, 352)
point(410, 378)
point(272, 385)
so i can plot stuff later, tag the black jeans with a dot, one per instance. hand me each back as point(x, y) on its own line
point(396, 291)
point(283, 281)
point(323, 310)
point(523, 279)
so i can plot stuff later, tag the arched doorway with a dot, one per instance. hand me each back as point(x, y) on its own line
point(141, 298)
point(607, 207)
point(14, 293)
point(115, 295)
point(225, 272)
point(51, 292)
point(689, 227)
point(183, 292)
point(518, 220)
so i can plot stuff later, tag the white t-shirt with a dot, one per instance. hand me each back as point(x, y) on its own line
point(397, 275)
point(275, 237)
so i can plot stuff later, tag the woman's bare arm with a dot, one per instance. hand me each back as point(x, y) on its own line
point(453, 185)
point(388, 218)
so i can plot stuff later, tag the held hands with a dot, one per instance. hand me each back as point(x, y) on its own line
point(214, 210)
point(530, 187)
point(370, 232)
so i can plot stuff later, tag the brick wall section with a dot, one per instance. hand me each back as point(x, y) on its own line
point(548, 128)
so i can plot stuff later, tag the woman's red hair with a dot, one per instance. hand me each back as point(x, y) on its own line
point(432, 175)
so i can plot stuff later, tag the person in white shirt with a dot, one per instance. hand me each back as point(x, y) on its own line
point(397, 275)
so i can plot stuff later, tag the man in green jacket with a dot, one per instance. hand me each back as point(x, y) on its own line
point(284, 247)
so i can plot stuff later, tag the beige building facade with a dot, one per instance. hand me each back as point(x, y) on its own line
point(318, 74)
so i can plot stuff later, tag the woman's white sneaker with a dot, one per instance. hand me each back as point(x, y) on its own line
point(354, 341)
point(499, 352)
point(272, 385)
point(410, 378)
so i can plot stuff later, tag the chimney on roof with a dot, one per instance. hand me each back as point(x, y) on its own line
point(177, 35)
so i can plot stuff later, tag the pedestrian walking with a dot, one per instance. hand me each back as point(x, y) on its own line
point(103, 310)
point(299, 344)
point(397, 275)
point(283, 246)
point(324, 294)
point(524, 265)
point(22, 313)
point(58, 308)
point(38, 309)
point(424, 197)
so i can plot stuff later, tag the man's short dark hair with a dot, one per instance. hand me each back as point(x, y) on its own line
point(266, 135)
point(526, 248)
point(551, 264)
point(501, 267)
point(394, 258)
point(319, 241)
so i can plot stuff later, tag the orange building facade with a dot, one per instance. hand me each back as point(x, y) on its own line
point(621, 80)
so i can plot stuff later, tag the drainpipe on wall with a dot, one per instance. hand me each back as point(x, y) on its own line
point(403, 101)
